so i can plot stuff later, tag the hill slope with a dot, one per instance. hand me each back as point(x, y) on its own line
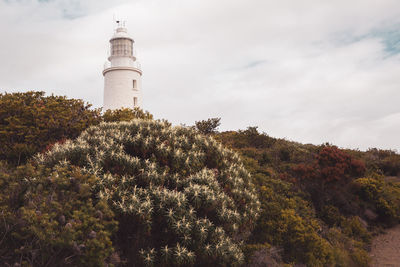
point(321, 204)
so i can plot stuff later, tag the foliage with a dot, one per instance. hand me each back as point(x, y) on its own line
point(288, 221)
point(180, 197)
point(307, 195)
point(50, 218)
point(347, 251)
point(381, 197)
point(353, 227)
point(208, 126)
point(385, 161)
point(326, 177)
point(29, 122)
point(126, 114)
point(332, 166)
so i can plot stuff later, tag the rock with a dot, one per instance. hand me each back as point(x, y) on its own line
point(363, 222)
point(370, 214)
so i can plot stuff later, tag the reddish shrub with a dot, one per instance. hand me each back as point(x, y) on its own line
point(331, 165)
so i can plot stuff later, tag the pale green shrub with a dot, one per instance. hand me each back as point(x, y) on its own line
point(180, 197)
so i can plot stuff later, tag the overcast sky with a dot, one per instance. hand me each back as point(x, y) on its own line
point(311, 71)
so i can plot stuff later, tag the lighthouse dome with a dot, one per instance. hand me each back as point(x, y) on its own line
point(121, 32)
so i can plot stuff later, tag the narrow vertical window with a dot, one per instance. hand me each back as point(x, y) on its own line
point(135, 102)
point(134, 84)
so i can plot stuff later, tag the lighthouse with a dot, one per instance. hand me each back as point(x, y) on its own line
point(122, 73)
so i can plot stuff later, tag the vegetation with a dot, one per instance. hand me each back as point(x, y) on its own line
point(29, 122)
point(320, 204)
point(120, 189)
point(180, 197)
point(126, 114)
point(50, 218)
point(208, 126)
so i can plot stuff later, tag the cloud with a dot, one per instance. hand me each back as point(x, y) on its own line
point(311, 71)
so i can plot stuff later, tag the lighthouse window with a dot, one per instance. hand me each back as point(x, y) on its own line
point(135, 102)
point(134, 84)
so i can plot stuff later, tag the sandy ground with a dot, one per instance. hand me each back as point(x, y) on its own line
point(385, 250)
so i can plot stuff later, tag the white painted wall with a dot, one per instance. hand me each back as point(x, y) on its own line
point(118, 88)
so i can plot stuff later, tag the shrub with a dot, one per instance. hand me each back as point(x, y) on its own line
point(369, 188)
point(335, 165)
point(331, 215)
point(288, 221)
point(29, 122)
point(255, 139)
point(347, 251)
point(52, 219)
point(327, 178)
point(265, 159)
point(387, 161)
point(381, 196)
point(180, 197)
point(209, 126)
point(126, 114)
point(352, 227)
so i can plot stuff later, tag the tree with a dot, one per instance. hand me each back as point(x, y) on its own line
point(29, 122)
point(208, 126)
point(181, 199)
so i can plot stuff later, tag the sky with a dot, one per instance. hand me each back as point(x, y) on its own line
point(311, 71)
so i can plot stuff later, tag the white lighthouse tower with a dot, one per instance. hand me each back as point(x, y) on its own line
point(122, 73)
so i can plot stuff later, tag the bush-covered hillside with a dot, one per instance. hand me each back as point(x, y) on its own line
point(320, 204)
point(82, 188)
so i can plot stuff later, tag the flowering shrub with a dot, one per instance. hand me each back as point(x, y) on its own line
point(180, 197)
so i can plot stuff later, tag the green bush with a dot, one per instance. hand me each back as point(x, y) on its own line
point(288, 221)
point(52, 219)
point(369, 188)
point(347, 251)
point(382, 197)
point(353, 227)
point(385, 161)
point(126, 114)
point(30, 122)
point(331, 215)
point(208, 126)
point(180, 197)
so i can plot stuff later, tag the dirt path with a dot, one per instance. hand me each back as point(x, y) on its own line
point(385, 250)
